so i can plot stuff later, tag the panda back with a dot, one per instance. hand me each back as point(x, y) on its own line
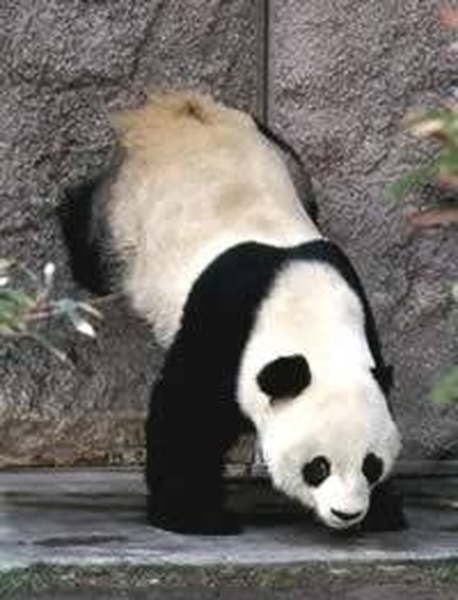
point(197, 179)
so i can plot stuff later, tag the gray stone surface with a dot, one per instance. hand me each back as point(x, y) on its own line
point(64, 66)
point(342, 76)
point(97, 517)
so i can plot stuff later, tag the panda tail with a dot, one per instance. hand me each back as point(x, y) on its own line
point(168, 112)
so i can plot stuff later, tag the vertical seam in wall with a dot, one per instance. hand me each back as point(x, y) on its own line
point(263, 60)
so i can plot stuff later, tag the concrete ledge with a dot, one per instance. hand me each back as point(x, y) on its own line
point(96, 517)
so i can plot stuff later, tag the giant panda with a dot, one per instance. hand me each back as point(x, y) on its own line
point(264, 321)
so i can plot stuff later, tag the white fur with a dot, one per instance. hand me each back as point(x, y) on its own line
point(199, 178)
point(190, 191)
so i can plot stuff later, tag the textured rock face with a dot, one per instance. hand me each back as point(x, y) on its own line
point(342, 75)
point(64, 67)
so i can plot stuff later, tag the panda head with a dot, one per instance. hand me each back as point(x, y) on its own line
point(326, 445)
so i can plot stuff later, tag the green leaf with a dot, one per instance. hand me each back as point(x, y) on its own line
point(431, 114)
point(446, 389)
point(72, 309)
point(448, 161)
point(18, 297)
point(414, 179)
point(91, 310)
point(49, 346)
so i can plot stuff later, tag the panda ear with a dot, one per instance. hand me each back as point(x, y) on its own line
point(383, 374)
point(284, 377)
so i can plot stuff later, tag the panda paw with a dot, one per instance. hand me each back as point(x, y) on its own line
point(219, 522)
point(386, 512)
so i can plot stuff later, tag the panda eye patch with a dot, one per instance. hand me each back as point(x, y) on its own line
point(284, 377)
point(372, 468)
point(316, 471)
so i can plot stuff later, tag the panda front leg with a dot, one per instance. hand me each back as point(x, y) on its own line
point(175, 506)
point(184, 470)
point(386, 511)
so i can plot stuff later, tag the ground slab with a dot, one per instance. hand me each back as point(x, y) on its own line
point(81, 534)
point(96, 518)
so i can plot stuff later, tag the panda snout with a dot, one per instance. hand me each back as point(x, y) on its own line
point(343, 516)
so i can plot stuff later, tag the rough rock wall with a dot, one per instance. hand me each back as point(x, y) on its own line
point(342, 76)
point(64, 66)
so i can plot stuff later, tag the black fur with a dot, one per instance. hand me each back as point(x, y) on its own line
point(372, 468)
point(316, 471)
point(194, 417)
point(284, 377)
point(384, 377)
point(386, 511)
point(83, 218)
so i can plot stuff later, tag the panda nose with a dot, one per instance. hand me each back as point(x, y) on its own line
point(346, 516)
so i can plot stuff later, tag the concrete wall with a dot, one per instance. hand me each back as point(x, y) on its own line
point(335, 81)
